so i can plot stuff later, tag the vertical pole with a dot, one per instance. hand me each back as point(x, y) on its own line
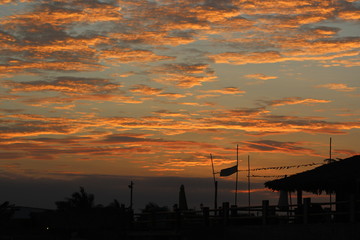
point(237, 173)
point(226, 213)
point(249, 199)
point(330, 198)
point(265, 211)
point(131, 186)
point(299, 198)
point(206, 216)
point(330, 150)
point(288, 213)
point(215, 183)
point(307, 203)
point(216, 193)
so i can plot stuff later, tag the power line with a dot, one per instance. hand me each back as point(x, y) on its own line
point(283, 167)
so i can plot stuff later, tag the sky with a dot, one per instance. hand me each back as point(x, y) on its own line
point(103, 92)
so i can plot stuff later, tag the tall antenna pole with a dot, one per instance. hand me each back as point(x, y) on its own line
point(237, 172)
point(330, 161)
point(215, 183)
point(330, 151)
point(249, 200)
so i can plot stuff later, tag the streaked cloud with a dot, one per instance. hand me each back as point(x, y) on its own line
point(152, 87)
point(240, 58)
point(295, 100)
point(126, 55)
point(260, 76)
point(184, 75)
point(227, 90)
point(67, 85)
point(275, 146)
point(145, 90)
point(341, 87)
point(78, 11)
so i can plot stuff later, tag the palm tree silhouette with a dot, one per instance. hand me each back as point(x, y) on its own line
point(79, 201)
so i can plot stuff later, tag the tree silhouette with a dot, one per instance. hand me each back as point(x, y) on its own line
point(79, 215)
point(80, 201)
point(115, 204)
point(153, 207)
point(6, 212)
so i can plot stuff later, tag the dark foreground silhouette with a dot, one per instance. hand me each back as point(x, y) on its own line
point(78, 217)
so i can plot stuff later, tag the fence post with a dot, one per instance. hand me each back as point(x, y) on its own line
point(299, 198)
point(233, 211)
point(265, 211)
point(206, 215)
point(306, 208)
point(225, 212)
point(352, 208)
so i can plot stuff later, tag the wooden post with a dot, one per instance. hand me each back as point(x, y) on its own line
point(307, 203)
point(299, 198)
point(206, 215)
point(249, 199)
point(216, 194)
point(233, 211)
point(265, 211)
point(237, 173)
point(215, 184)
point(225, 212)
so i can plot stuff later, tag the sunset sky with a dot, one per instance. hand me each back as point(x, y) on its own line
point(146, 90)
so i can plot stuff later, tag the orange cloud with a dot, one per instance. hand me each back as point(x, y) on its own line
point(15, 67)
point(295, 100)
point(213, 14)
point(346, 152)
point(251, 121)
point(338, 87)
point(146, 90)
point(184, 81)
point(247, 57)
point(354, 62)
point(184, 75)
point(153, 38)
point(66, 85)
point(253, 190)
point(165, 169)
point(126, 55)
point(350, 15)
point(115, 96)
point(13, 1)
point(254, 7)
point(227, 90)
point(57, 17)
point(165, 113)
point(325, 31)
point(172, 95)
point(142, 89)
point(260, 76)
point(176, 43)
point(280, 147)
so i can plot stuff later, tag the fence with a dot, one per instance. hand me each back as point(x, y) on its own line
point(306, 213)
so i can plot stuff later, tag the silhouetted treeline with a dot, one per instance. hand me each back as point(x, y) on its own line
point(75, 217)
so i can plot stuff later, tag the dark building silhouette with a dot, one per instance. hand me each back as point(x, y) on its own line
point(182, 199)
point(341, 178)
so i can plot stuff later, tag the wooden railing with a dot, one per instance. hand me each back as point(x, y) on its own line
point(306, 213)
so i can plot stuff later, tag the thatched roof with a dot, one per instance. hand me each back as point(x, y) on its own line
point(340, 175)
